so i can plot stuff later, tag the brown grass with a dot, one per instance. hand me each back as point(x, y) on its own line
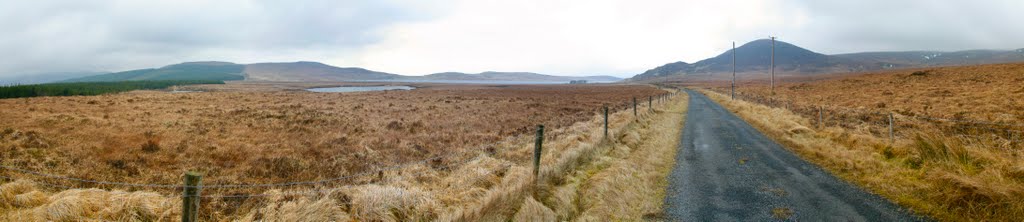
point(930, 172)
point(152, 137)
point(261, 137)
point(978, 92)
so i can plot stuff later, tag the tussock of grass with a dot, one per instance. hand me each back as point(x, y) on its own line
point(931, 173)
point(302, 209)
point(9, 191)
point(391, 203)
point(534, 211)
point(94, 204)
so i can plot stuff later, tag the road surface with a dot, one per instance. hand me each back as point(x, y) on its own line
point(728, 171)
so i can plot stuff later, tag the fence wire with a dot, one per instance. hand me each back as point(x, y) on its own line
point(850, 118)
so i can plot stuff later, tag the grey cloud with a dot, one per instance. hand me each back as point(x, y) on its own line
point(47, 36)
point(854, 26)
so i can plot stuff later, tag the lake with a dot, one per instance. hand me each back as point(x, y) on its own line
point(485, 82)
point(342, 89)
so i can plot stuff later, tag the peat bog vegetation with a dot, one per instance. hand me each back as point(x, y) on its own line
point(956, 153)
point(434, 153)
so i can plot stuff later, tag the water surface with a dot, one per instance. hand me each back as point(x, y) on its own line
point(342, 89)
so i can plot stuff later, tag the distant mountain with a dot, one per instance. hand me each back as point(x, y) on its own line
point(511, 76)
point(183, 71)
point(790, 59)
point(310, 71)
point(668, 70)
point(38, 78)
point(935, 58)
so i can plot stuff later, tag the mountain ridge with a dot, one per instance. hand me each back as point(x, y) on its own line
point(207, 70)
point(755, 56)
point(511, 76)
point(308, 71)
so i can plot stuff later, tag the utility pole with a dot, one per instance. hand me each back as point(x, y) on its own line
point(773, 66)
point(733, 70)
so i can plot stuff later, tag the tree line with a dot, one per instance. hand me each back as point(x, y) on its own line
point(91, 88)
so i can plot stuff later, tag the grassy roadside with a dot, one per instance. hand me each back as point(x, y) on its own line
point(930, 174)
point(555, 194)
point(625, 178)
point(632, 184)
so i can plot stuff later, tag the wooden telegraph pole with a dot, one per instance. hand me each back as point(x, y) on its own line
point(733, 70)
point(773, 66)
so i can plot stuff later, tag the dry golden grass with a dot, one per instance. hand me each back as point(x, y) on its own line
point(261, 137)
point(932, 173)
point(28, 203)
point(978, 92)
point(629, 183)
point(578, 182)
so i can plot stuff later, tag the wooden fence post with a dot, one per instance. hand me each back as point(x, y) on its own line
point(820, 115)
point(650, 104)
point(892, 137)
point(605, 122)
point(537, 147)
point(190, 199)
point(634, 107)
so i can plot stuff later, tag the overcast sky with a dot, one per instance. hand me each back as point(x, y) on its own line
point(416, 37)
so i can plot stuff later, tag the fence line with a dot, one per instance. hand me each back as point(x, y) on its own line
point(41, 183)
point(867, 117)
point(968, 121)
point(756, 97)
point(626, 106)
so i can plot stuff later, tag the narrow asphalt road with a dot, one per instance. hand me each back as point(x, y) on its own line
point(728, 171)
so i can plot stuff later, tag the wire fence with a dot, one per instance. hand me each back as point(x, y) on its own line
point(311, 187)
point(884, 123)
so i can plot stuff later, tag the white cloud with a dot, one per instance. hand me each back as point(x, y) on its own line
point(43, 36)
point(566, 37)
